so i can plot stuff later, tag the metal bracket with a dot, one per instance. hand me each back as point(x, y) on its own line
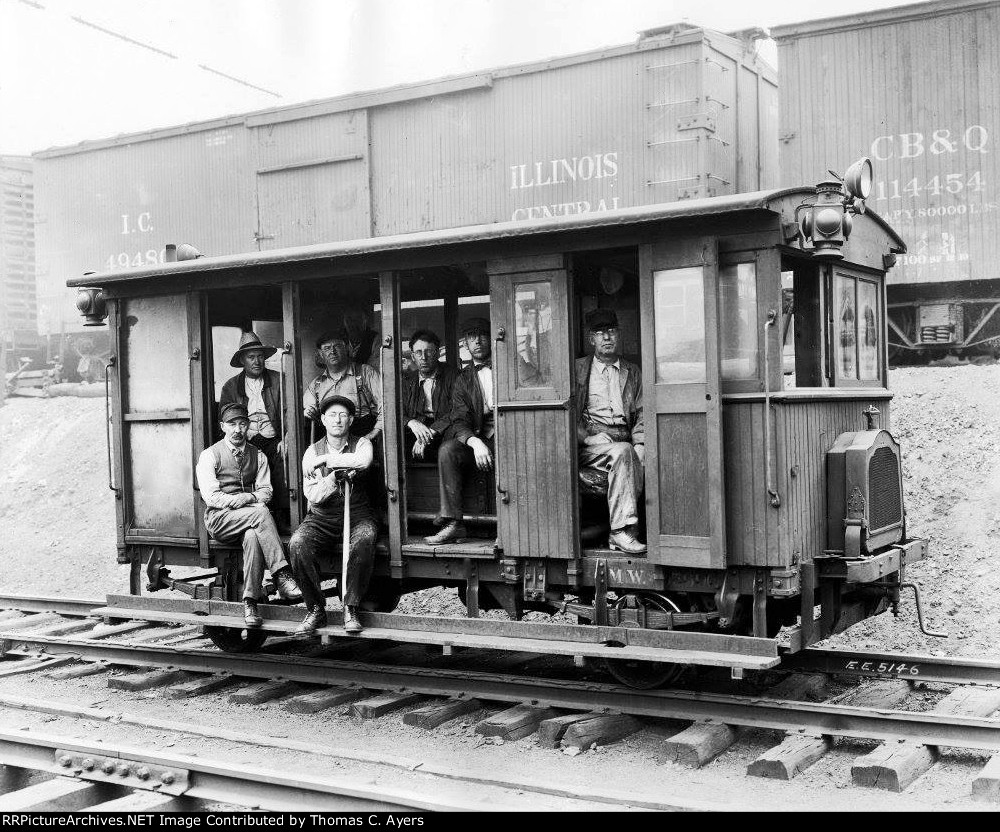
point(725, 599)
point(601, 592)
point(534, 580)
point(133, 774)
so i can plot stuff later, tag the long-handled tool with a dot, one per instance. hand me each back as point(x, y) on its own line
point(345, 554)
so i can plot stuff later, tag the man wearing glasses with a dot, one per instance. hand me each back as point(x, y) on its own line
point(609, 429)
point(426, 396)
point(344, 377)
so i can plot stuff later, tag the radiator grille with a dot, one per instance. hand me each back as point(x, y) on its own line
point(884, 491)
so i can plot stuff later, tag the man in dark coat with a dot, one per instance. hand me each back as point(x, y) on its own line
point(610, 427)
point(259, 390)
point(426, 396)
point(472, 431)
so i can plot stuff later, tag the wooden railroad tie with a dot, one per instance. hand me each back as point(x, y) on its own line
point(515, 723)
point(62, 794)
point(599, 729)
point(438, 713)
point(384, 703)
point(199, 686)
point(319, 700)
point(894, 766)
point(698, 744)
point(986, 786)
point(108, 630)
point(78, 671)
point(67, 628)
point(147, 680)
point(262, 692)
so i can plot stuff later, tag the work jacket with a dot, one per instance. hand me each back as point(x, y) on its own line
point(235, 391)
point(414, 402)
point(630, 380)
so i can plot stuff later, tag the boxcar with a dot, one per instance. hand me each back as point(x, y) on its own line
point(766, 493)
point(931, 125)
point(682, 112)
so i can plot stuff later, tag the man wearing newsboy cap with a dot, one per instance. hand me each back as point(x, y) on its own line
point(609, 427)
point(235, 483)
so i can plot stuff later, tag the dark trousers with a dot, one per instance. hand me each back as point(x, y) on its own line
point(454, 458)
point(318, 542)
point(269, 447)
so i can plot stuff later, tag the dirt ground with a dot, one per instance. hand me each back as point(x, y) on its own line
point(58, 536)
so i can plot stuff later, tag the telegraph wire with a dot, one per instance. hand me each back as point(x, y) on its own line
point(142, 45)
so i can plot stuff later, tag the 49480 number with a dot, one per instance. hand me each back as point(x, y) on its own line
point(125, 259)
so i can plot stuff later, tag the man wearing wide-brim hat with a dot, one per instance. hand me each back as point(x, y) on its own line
point(258, 389)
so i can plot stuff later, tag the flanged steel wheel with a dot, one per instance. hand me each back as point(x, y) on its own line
point(235, 640)
point(643, 675)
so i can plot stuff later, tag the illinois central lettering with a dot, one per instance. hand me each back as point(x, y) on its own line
point(560, 171)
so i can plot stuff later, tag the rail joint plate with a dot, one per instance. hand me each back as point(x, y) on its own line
point(134, 774)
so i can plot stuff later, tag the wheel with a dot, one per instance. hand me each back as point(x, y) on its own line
point(642, 675)
point(235, 640)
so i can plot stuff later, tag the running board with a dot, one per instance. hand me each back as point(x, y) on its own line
point(677, 646)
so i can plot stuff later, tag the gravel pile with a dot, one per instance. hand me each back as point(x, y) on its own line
point(58, 537)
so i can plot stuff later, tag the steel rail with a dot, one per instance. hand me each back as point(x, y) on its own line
point(912, 668)
point(50, 603)
point(219, 780)
point(752, 711)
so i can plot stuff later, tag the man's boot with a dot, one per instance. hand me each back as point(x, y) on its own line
point(251, 618)
point(287, 588)
point(315, 618)
point(351, 623)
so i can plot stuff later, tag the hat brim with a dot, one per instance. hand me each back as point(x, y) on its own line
point(235, 360)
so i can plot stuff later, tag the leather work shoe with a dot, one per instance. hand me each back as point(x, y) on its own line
point(624, 541)
point(250, 615)
point(315, 618)
point(287, 588)
point(351, 623)
point(452, 532)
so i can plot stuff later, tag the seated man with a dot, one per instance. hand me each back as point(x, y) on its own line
point(472, 430)
point(426, 395)
point(259, 390)
point(609, 429)
point(344, 377)
point(235, 484)
point(320, 536)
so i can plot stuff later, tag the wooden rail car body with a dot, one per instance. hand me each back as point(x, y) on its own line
point(769, 490)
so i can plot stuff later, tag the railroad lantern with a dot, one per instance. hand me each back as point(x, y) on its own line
point(92, 306)
point(826, 224)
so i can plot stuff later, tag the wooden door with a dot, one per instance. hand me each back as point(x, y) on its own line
point(291, 378)
point(536, 428)
point(161, 368)
point(681, 402)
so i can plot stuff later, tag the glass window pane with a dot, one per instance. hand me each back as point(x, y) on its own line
point(869, 328)
point(845, 327)
point(533, 327)
point(157, 354)
point(679, 324)
point(738, 320)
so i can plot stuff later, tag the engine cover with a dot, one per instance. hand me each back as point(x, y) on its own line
point(864, 493)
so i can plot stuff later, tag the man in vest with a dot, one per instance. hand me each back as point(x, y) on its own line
point(472, 430)
point(235, 484)
point(426, 396)
point(343, 377)
point(610, 428)
point(259, 390)
point(319, 538)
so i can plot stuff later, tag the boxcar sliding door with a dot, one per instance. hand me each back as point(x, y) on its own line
point(681, 402)
point(161, 344)
point(536, 431)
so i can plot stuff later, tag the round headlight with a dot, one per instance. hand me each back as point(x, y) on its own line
point(858, 179)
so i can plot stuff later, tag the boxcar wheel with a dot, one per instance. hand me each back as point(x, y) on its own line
point(639, 674)
point(235, 640)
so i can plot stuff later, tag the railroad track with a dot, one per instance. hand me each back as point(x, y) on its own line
point(572, 713)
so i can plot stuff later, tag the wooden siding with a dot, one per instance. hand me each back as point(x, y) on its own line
point(758, 534)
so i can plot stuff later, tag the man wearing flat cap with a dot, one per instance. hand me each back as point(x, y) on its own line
point(317, 541)
point(345, 377)
point(609, 427)
point(234, 481)
point(258, 389)
point(472, 430)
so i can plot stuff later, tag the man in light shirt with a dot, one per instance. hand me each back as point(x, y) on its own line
point(472, 432)
point(426, 396)
point(317, 541)
point(259, 390)
point(234, 481)
point(610, 428)
point(345, 377)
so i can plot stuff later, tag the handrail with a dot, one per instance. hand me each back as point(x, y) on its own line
point(772, 317)
point(386, 345)
point(286, 349)
point(112, 361)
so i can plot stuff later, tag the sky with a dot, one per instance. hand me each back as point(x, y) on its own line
point(72, 70)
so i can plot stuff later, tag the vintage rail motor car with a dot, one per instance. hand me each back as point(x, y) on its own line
point(773, 487)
